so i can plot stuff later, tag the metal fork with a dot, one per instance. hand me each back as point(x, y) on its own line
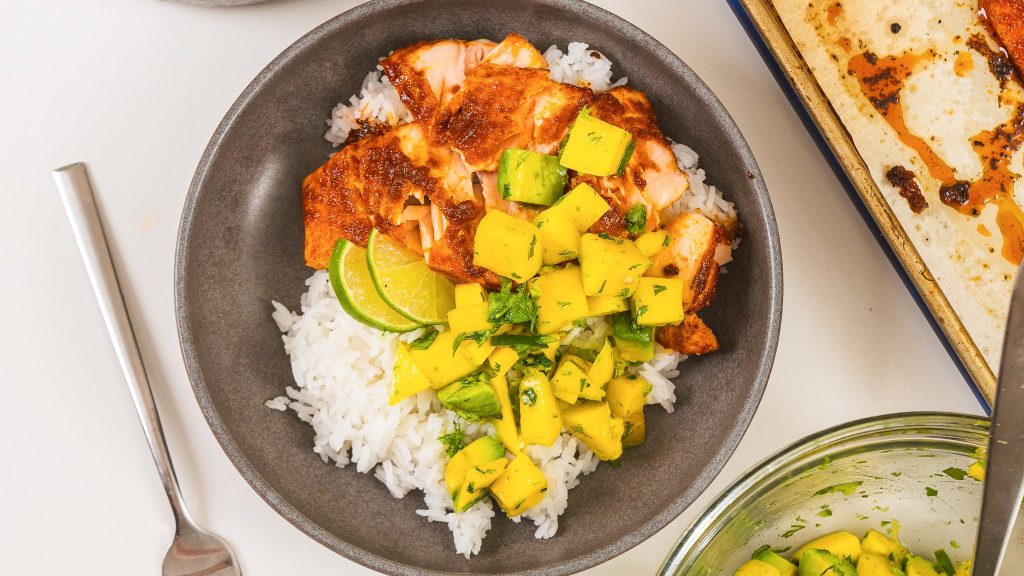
point(194, 552)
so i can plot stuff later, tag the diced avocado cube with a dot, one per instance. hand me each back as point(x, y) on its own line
point(440, 363)
point(558, 236)
point(626, 396)
point(520, 487)
point(560, 299)
point(785, 567)
point(407, 379)
point(917, 566)
point(658, 301)
point(480, 451)
point(583, 205)
point(472, 398)
point(842, 544)
point(822, 562)
point(634, 343)
point(756, 568)
point(468, 319)
point(474, 485)
point(595, 146)
point(602, 305)
point(531, 177)
point(600, 374)
point(570, 379)
point(610, 266)
point(593, 424)
point(469, 295)
point(874, 565)
point(505, 423)
point(650, 243)
point(507, 246)
point(540, 421)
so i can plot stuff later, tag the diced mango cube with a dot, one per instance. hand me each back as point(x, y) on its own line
point(480, 451)
point(602, 305)
point(626, 397)
point(520, 487)
point(440, 363)
point(658, 301)
point(507, 246)
point(502, 359)
point(600, 373)
point(570, 379)
point(610, 266)
point(474, 485)
point(407, 379)
point(505, 424)
point(468, 295)
point(468, 319)
point(476, 353)
point(583, 205)
point(593, 424)
point(595, 146)
point(560, 299)
point(540, 422)
point(650, 243)
point(558, 236)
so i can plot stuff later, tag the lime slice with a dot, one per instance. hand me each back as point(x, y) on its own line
point(406, 283)
point(353, 286)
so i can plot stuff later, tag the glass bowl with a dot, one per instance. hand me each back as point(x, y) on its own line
point(898, 470)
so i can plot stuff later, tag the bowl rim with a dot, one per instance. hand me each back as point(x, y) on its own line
point(693, 536)
point(760, 200)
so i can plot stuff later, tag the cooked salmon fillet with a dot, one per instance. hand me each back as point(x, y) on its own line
point(503, 107)
point(694, 242)
point(1007, 18)
point(369, 183)
point(427, 74)
point(651, 177)
point(693, 336)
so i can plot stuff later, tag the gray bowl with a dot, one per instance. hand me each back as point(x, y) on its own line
point(240, 245)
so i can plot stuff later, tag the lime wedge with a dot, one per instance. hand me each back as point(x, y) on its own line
point(353, 286)
point(405, 282)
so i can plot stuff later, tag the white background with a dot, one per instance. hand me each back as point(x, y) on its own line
point(135, 88)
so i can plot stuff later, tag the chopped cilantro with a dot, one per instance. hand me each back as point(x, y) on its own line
point(578, 429)
point(453, 441)
point(610, 238)
point(479, 337)
point(523, 344)
point(943, 565)
point(659, 288)
point(641, 310)
point(562, 304)
point(601, 289)
point(636, 219)
point(529, 396)
point(567, 253)
point(424, 341)
point(511, 307)
point(664, 243)
point(930, 492)
point(793, 529)
point(847, 488)
point(955, 473)
point(533, 246)
point(623, 293)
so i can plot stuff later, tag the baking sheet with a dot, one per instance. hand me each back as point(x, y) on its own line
point(961, 275)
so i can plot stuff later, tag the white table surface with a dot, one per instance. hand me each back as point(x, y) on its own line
point(135, 88)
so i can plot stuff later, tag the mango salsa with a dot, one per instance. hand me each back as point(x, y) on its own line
point(469, 295)
point(507, 246)
point(501, 359)
point(595, 146)
point(570, 379)
point(540, 422)
point(610, 266)
point(593, 424)
point(468, 319)
point(480, 451)
point(583, 205)
point(520, 487)
point(604, 305)
point(505, 423)
point(658, 301)
point(407, 379)
point(626, 397)
point(477, 479)
point(558, 236)
point(650, 243)
point(560, 299)
point(441, 364)
point(600, 373)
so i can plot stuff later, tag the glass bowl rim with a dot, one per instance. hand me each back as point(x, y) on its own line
point(693, 538)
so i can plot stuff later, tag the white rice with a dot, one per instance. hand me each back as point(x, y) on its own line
point(342, 368)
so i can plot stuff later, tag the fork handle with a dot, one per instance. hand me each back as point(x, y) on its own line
point(80, 205)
